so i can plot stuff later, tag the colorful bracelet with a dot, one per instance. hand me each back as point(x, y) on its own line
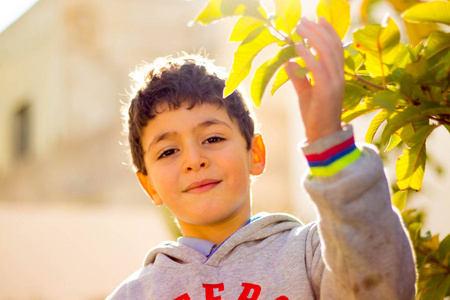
point(333, 160)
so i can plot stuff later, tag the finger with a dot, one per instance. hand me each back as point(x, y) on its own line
point(300, 83)
point(320, 30)
point(321, 77)
point(334, 36)
point(319, 38)
point(329, 52)
point(326, 56)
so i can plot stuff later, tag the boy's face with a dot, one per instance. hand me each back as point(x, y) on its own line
point(198, 164)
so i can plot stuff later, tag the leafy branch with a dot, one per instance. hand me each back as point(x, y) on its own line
point(407, 84)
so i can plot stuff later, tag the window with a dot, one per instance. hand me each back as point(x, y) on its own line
point(22, 131)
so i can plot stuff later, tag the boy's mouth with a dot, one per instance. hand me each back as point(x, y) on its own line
point(202, 186)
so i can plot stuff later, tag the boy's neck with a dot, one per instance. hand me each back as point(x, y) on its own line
point(216, 233)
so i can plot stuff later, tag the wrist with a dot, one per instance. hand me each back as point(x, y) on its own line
point(332, 153)
point(316, 134)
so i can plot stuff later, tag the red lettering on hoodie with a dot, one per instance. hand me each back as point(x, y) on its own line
point(209, 290)
point(248, 288)
point(251, 292)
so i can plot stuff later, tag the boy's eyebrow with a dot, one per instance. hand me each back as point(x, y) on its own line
point(211, 122)
point(161, 137)
point(204, 124)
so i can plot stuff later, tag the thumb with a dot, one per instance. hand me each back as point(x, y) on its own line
point(299, 83)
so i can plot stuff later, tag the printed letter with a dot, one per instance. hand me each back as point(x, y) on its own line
point(252, 289)
point(209, 291)
point(183, 297)
point(282, 298)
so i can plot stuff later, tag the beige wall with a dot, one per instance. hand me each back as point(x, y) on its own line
point(25, 77)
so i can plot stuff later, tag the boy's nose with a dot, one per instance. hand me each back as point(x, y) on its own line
point(194, 160)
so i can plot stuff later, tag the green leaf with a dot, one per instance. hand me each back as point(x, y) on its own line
point(439, 73)
point(387, 99)
point(406, 134)
point(375, 67)
point(436, 42)
point(405, 56)
point(414, 230)
point(216, 10)
point(415, 75)
point(399, 199)
point(432, 243)
point(243, 27)
point(394, 141)
point(375, 124)
point(419, 138)
point(337, 13)
point(417, 32)
point(378, 41)
point(436, 287)
point(257, 40)
point(444, 251)
point(210, 13)
point(287, 15)
point(380, 44)
point(296, 38)
point(408, 131)
point(359, 110)
point(281, 77)
point(357, 59)
point(400, 118)
point(349, 63)
point(353, 94)
point(410, 166)
point(265, 72)
point(421, 260)
point(417, 70)
point(444, 288)
point(429, 12)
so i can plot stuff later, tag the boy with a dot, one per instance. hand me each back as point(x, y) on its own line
point(195, 153)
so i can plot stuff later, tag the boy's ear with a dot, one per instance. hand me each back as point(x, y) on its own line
point(147, 185)
point(258, 155)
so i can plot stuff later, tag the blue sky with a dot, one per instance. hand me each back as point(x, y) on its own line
point(10, 10)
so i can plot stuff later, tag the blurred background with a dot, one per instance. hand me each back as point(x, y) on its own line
point(74, 221)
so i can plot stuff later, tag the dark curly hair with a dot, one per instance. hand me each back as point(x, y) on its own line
point(172, 82)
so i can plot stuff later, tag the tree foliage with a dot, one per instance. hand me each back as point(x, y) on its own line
point(406, 84)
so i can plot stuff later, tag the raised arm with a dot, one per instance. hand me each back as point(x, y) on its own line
point(364, 246)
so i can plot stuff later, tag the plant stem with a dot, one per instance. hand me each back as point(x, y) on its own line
point(440, 121)
point(281, 37)
point(410, 101)
point(431, 258)
point(365, 81)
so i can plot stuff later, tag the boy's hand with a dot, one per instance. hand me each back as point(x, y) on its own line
point(321, 103)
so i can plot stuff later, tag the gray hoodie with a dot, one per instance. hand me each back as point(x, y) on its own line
point(358, 249)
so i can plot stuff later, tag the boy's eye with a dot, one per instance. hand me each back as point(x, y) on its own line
point(167, 153)
point(214, 139)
